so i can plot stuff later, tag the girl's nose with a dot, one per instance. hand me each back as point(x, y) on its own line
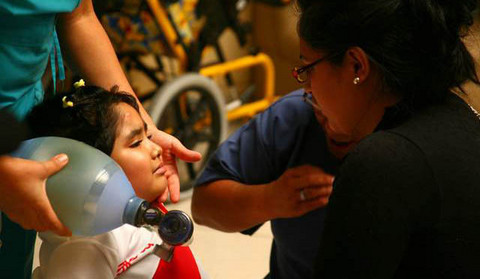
point(156, 151)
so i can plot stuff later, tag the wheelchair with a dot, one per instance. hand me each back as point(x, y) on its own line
point(164, 42)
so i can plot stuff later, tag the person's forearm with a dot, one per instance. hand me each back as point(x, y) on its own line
point(230, 206)
point(88, 51)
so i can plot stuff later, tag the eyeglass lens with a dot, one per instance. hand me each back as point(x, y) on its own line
point(302, 76)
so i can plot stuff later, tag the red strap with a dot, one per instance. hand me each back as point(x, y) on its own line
point(160, 206)
point(182, 266)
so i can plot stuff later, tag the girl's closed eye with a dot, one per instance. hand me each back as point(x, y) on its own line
point(139, 142)
point(136, 143)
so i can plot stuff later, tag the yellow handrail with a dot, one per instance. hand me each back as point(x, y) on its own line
point(260, 59)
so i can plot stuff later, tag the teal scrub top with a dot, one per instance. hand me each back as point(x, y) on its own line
point(26, 41)
point(27, 36)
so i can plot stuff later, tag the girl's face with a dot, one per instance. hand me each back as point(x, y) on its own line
point(139, 157)
point(348, 112)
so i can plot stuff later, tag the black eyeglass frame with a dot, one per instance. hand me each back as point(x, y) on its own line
point(297, 71)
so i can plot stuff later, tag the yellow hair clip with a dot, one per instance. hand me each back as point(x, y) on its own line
point(79, 83)
point(66, 103)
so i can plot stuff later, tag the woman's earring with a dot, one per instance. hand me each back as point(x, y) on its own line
point(356, 80)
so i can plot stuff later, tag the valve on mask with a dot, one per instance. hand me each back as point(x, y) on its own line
point(175, 228)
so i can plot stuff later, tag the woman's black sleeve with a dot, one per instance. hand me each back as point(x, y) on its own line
point(382, 195)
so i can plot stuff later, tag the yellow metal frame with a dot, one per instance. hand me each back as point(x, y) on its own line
point(169, 32)
point(261, 59)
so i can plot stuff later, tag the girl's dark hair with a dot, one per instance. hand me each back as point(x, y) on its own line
point(92, 119)
point(416, 44)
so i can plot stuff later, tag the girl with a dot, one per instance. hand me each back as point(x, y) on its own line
point(112, 124)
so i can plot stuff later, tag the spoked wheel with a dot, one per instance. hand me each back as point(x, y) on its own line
point(192, 109)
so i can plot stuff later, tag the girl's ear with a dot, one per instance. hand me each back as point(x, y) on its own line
point(359, 64)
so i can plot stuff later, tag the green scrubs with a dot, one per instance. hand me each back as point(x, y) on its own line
point(26, 42)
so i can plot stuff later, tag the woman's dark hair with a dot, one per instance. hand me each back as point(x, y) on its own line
point(92, 119)
point(416, 44)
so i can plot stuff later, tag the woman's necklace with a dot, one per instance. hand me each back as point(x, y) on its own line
point(467, 100)
point(474, 111)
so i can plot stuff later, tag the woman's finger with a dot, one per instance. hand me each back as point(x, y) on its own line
point(310, 193)
point(184, 153)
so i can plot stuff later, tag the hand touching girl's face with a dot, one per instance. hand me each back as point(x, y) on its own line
point(139, 157)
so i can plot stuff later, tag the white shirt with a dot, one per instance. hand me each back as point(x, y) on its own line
point(126, 251)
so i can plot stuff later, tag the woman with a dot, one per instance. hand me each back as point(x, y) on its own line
point(28, 41)
point(406, 200)
point(379, 75)
point(275, 168)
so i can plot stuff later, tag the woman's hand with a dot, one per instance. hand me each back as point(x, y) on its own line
point(230, 206)
point(173, 148)
point(299, 190)
point(23, 195)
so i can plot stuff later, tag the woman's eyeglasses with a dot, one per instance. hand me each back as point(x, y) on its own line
point(301, 73)
point(307, 98)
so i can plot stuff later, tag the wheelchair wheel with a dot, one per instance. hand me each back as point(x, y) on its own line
point(192, 109)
